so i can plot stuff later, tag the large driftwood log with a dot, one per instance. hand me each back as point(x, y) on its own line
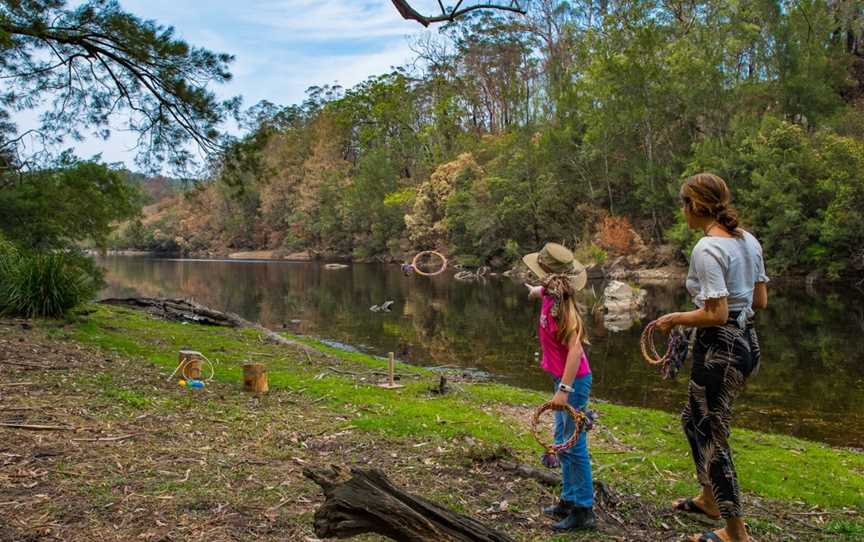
point(179, 310)
point(368, 502)
point(188, 311)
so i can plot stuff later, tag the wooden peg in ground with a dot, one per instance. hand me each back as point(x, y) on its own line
point(391, 370)
point(255, 377)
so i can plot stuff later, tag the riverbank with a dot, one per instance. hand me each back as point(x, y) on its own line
point(150, 460)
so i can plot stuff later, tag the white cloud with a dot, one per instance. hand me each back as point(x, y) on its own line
point(329, 19)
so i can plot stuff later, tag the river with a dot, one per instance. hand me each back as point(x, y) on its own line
point(811, 382)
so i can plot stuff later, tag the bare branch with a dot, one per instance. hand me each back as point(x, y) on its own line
point(411, 14)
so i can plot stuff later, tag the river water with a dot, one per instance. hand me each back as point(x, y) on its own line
point(811, 383)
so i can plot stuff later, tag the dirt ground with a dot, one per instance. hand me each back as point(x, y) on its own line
point(95, 447)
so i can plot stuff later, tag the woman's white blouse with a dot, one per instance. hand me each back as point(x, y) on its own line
point(727, 267)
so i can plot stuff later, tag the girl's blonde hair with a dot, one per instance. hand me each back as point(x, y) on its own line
point(569, 322)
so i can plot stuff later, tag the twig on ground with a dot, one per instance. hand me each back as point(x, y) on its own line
point(34, 365)
point(601, 468)
point(33, 427)
point(372, 373)
point(106, 439)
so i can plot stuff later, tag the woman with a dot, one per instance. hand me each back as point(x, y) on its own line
point(727, 281)
point(562, 338)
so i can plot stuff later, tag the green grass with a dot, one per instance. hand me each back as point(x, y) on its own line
point(845, 528)
point(129, 397)
point(656, 461)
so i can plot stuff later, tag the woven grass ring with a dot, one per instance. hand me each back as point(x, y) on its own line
point(427, 253)
point(578, 421)
point(649, 350)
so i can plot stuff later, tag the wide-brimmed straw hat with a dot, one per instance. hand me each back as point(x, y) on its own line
point(557, 259)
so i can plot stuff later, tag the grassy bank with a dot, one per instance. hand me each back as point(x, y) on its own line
point(641, 454)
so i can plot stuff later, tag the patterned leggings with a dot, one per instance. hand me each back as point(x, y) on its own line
point(723, 358)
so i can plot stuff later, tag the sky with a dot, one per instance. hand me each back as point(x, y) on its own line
point(282, 47)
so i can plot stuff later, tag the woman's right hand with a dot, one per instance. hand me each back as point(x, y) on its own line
point(666, 322)
point(534, 292)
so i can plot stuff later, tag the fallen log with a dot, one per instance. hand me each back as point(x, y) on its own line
point(544, 476)
point(189, 311)
point(179, 310)
point(368, 502)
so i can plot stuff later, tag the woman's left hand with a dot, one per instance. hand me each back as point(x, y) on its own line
point(559, 400)
point(666, 322)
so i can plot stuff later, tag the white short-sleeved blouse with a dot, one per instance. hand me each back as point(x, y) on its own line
point(727, 267)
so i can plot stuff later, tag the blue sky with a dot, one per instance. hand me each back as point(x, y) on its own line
point(282, 47)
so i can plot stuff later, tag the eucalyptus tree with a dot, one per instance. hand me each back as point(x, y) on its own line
point(81, 66)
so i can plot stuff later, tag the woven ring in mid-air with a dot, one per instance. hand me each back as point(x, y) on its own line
point(419, 255)
point(578, 419)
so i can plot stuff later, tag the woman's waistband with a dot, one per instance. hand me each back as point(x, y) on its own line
point(742, 318)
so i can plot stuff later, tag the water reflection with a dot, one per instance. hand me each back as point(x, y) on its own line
point(811, 382)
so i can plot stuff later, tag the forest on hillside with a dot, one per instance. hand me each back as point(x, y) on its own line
point(507, 130)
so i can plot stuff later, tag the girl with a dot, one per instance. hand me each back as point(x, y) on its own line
point(727, 281)
point(562, 335)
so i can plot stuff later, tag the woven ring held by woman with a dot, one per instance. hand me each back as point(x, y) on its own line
point(728, 283)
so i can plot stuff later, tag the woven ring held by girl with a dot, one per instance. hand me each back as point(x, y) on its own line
point(579, 420)
point(416, 263)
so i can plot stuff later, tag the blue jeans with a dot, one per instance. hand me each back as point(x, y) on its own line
point(577, 485)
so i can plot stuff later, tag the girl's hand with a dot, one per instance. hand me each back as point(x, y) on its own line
point(559, 400)
point(666, 322)
point(534, 292)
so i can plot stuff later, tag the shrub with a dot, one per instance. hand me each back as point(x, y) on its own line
point(589, 253)
point(45, 284)
point(682, 236)
point(616, 236)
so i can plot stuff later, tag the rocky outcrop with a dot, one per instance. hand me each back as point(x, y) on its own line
point(623, 305)
point(665, 274)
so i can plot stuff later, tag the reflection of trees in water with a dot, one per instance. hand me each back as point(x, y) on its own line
point(812, 354)
point(811, 382)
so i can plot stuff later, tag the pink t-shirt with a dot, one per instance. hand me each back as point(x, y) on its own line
point(554, 352)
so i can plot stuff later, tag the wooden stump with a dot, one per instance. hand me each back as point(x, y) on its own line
point(190, 364)
point(369, 503)
point(255, 377)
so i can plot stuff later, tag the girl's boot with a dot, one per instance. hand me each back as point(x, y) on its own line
point(579, 518)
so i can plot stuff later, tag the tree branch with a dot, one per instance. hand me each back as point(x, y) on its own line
point(411, 14)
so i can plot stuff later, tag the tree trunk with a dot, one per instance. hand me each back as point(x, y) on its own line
point(255, 377)
point(369, 503)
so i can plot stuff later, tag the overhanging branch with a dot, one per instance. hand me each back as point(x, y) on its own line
point(447, 15)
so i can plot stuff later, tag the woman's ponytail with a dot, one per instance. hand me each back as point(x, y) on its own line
point(728, 218)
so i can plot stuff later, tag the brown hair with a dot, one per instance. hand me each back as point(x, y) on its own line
point(706, 194)
point(569, 322)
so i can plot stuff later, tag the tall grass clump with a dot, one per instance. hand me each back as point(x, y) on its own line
point(44, 284)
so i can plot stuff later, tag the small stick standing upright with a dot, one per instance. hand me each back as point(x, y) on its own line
point(391, 366)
